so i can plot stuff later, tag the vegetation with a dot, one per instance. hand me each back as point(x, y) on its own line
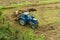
point(7, 32)
point(26, 3)
point(47, 16)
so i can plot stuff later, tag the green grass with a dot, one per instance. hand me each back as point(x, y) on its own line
point(48, 1)
point(48, 15)
point(29, 3)
point(51, 16)
point(6, 30)
point(29, 34)
point(41, 37)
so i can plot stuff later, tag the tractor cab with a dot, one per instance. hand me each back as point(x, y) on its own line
point(27, 16)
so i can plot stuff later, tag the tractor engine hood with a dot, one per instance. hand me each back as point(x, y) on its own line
point(35, 21)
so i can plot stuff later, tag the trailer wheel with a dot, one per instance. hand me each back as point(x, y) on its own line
point(22, 22)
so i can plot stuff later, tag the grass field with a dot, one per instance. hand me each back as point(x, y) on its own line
point(47, 15)
point(4, 2)
point(18, 3)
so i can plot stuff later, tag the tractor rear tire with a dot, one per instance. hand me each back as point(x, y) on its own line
point(22, 22)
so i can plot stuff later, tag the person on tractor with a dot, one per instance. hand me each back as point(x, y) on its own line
point(18, 12)
point(28, 15)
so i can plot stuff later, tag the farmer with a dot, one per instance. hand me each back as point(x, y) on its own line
point(27, 12)
point(28, 15)
point(16, 13)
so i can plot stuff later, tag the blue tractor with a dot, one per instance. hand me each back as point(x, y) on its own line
point(26, 18)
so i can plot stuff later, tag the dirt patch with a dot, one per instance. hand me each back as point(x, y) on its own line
point(32, 10)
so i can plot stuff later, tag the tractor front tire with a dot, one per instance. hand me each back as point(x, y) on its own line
point(22, 22)
point(32, 25)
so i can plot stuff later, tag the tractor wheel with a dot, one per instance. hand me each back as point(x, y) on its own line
point(22, 22)
point(32, 25)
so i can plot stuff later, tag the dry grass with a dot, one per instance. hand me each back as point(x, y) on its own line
point(8, 2)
